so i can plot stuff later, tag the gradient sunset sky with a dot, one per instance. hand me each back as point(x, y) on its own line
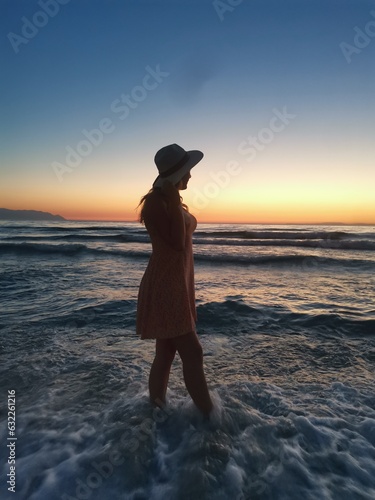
point(278, 94)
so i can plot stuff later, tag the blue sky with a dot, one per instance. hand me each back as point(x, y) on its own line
point(225, 77)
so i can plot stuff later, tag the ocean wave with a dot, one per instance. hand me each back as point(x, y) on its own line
point(79, 249)
point(235, 317)
point(117, 238)
point(330, 244)
point(117, 313)
point(300, 235)
point(307, 261)
point(72, 249)
point(228, 317)
point(359, 245)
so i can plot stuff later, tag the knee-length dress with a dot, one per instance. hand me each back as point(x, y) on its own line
point(166, 297)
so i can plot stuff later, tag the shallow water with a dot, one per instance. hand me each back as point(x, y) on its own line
point(288, 337)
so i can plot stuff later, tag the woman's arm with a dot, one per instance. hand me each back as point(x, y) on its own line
point(167, 218)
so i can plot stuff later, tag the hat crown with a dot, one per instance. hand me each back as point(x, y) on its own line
point(169, 156)
point(173, 163)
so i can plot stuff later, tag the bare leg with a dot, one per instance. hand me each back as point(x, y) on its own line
point(190, 350)
point(159, 374)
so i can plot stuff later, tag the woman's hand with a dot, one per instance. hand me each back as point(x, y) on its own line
point(171, 192)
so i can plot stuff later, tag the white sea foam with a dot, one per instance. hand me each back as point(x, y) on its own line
point(241, 452)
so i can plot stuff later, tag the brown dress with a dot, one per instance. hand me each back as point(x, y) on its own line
point(166, 297)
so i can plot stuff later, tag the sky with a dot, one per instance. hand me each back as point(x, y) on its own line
point(278, 94)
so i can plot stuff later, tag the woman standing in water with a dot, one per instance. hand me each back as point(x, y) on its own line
point(166, 298)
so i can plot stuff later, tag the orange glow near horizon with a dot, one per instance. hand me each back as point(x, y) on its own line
point(215, 212)
point(244, 201)
point(247, 215)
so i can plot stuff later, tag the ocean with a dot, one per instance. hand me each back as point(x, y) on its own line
point(286, 317)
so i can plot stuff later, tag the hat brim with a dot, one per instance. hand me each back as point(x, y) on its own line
point(194, 158)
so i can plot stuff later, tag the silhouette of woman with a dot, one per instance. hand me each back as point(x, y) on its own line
point(166, 298)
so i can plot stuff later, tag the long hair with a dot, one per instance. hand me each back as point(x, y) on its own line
point(144, 199)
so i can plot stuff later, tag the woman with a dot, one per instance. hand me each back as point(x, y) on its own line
point(166, 299)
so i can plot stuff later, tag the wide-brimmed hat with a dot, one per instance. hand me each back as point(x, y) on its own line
point(174, 162)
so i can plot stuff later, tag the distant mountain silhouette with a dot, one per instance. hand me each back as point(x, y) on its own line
point(6, 214)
